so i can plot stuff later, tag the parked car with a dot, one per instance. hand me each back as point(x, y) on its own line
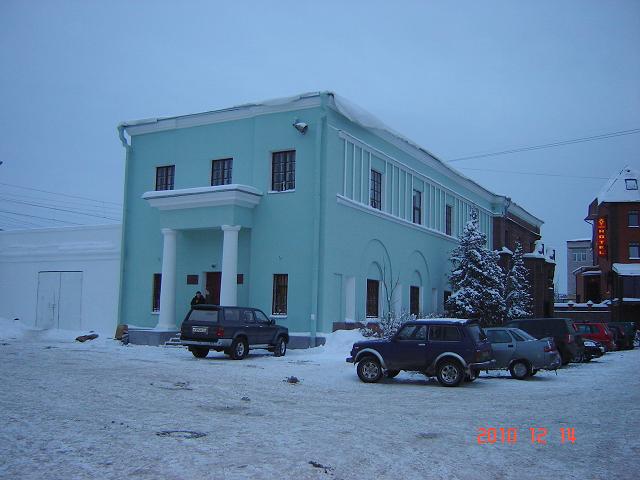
point(629, 329)
point(232, 330)
point(597, 331)
point(593, 349)
point(619, 337)
point(520, 353)
point(450, 349)
point(562, 330)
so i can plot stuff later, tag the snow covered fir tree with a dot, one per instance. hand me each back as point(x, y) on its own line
point(517, 297)
point(477, 281)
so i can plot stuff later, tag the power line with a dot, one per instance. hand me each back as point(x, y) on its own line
point(89, 210)
point(66, 203)
point(61, 194)
point(36, 216)
point(534, 173)
point(549, 145)
point(75, 212)
point(18, 222)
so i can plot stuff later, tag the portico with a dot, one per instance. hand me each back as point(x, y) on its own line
point(225, 207)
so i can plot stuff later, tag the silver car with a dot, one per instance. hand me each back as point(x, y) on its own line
point(520, 353)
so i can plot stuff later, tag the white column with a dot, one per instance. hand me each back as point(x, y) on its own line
point(167, 320)
point(228, 282)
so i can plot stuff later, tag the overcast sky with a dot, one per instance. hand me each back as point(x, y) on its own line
point(458, 78)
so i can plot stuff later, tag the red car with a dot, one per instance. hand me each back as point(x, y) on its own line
point(598, 332)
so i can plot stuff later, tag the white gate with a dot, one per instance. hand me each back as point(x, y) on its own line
point(59, 300)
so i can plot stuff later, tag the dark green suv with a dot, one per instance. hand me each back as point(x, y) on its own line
point(232, 330)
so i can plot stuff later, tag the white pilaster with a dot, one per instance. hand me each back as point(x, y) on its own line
point(167, 320)
point(228, 282)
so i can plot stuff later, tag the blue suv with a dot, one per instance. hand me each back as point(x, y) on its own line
point(452, 350)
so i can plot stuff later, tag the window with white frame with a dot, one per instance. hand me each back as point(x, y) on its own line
point(280, 291)
point(283, 171)
point(634, 250)
point(155, 296)
point(633, 219)
point(580, 255)
point(221, 171)
point(417, 207)
point(373, 298)
point(164, 177)
point(375, 195)
point(448, 219)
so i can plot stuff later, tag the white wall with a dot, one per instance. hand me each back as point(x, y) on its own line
point(92, 250)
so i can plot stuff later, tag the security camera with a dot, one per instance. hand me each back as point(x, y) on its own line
point(301, 127)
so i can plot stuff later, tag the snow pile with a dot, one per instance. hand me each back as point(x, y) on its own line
point(16, 330)
point(11, 328)
point(338, 344)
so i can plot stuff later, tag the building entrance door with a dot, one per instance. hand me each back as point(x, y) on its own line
point(59, 300)
point(592, 288)
point(213, 287)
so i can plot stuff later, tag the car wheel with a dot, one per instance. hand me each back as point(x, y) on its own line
point(200, 352)
point(578, 358)
point(280, 348)
point(533, 372)
point(239, 349)
point(450, 373)
point(369, 370)
point(586, 358)
point(392, 373)
point(519, 370)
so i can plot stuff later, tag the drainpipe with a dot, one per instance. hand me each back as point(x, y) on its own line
point(317, 194)
point(127, 147)
point(507, 204)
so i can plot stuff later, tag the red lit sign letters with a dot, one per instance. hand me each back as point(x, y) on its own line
point(601, 237)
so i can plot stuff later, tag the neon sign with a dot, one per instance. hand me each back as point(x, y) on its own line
point(601, 237)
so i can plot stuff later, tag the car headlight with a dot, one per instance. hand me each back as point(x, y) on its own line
point(589, 344)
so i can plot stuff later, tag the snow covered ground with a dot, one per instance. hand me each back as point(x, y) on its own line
point(102, 410)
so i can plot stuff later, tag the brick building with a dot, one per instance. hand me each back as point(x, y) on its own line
point(518, 226)
point(615, 273)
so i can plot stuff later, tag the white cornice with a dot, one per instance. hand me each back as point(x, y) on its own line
point(140, 127)
point(234, 194)
point(342, 200)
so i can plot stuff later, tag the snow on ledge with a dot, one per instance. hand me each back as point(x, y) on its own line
point(627, 269)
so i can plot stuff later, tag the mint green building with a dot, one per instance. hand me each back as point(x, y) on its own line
point(305, 207)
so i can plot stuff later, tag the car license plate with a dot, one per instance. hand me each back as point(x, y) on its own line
point(199, 329)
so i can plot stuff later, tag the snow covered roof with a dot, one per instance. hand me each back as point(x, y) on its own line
point(542, 252)
point(343, 106)
point(627, 269)
point(622, 187)
point(443, 320)
point(579, 240)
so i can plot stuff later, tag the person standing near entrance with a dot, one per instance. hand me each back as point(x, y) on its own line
point(197, 299)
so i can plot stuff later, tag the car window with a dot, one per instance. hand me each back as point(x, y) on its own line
point(476, 333)
point(260, 317)
point(247, 317)
point(522, 334)
point(204, 316)
point(517, 336)
point(583, 328)
point(420, 333)
point(444, 333)
point(498, 336)
point(232, 315)
point(412, 332)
